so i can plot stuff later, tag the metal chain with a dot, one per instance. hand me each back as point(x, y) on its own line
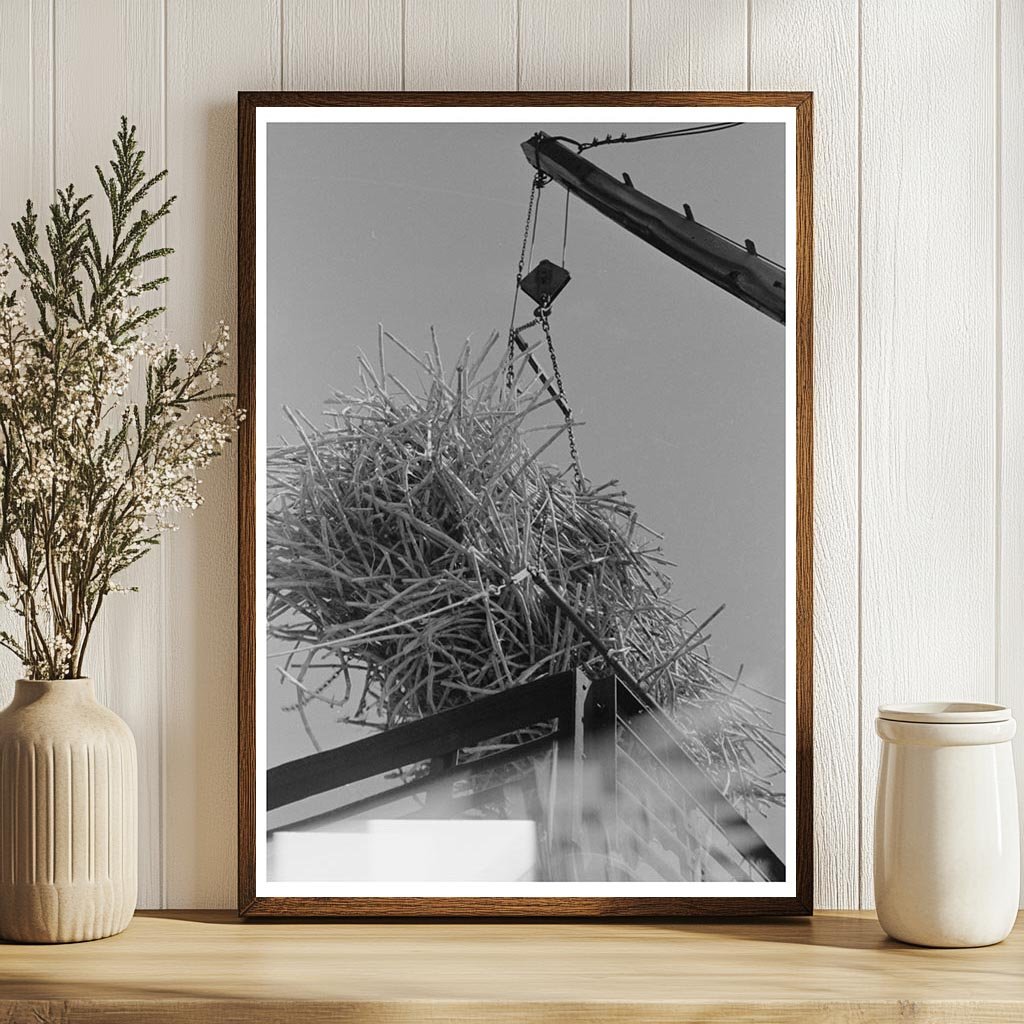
point(543, 315)
point(539, 180)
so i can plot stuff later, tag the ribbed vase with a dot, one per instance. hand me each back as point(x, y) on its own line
point(68, 815)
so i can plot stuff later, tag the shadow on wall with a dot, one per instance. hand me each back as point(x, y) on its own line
point(201, 567)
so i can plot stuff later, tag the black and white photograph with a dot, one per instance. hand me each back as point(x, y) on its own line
point(525, 502)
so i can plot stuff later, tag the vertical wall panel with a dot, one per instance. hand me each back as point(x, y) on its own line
point(26, 171)
point(942, 564)
point(468, 45)
point(342, 44)
point(689, 44)
point(928, 363)
point(90, 96)
point(213, 50)
point(1010, 180)
point(26, 68)
point(826, 62)
point(574, 44)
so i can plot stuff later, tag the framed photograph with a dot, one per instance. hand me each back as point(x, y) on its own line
point(525, 504)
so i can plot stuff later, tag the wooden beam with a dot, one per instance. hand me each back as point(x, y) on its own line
point(737, 269)
point(543, 699)
point(405, 789)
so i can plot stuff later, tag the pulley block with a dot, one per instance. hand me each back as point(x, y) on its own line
point(544, 282)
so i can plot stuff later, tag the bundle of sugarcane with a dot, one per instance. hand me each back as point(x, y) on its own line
point(420, 555)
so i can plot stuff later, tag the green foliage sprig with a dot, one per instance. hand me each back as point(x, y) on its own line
point(89, 476)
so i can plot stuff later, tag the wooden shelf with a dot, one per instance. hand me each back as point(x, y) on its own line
point(210, 967)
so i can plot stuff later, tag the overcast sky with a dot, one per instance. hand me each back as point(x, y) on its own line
point(680, 385)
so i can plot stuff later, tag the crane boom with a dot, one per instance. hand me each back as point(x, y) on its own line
point(738, 269)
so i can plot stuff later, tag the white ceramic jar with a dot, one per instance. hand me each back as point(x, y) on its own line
point(947, 849)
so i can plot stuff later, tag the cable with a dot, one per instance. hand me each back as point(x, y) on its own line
point(536, 221)
point(608, 140)
point(565, 227)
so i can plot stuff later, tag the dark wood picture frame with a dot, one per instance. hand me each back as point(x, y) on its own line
point(249, 904)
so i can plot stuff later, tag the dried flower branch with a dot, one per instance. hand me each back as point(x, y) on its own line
point(88, 477)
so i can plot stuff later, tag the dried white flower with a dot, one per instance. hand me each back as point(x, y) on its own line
point(103, 428)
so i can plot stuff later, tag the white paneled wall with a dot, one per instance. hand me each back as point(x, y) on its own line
point(919, 324)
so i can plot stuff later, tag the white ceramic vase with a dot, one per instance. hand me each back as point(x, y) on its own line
point(947, 849)
point(68, 812)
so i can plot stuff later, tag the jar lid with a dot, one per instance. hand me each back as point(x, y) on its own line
point(945, 712)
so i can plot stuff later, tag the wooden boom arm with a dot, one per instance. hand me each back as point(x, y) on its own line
point(738, 269)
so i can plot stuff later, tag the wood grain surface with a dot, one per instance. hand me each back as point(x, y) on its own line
point(832, 74)
point(919, 307)
point(342, 44)
point(700, 44)
point(129, 32)
point(928, 505)
point(227, 45)
point(209, 967)
point(1009, 272)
